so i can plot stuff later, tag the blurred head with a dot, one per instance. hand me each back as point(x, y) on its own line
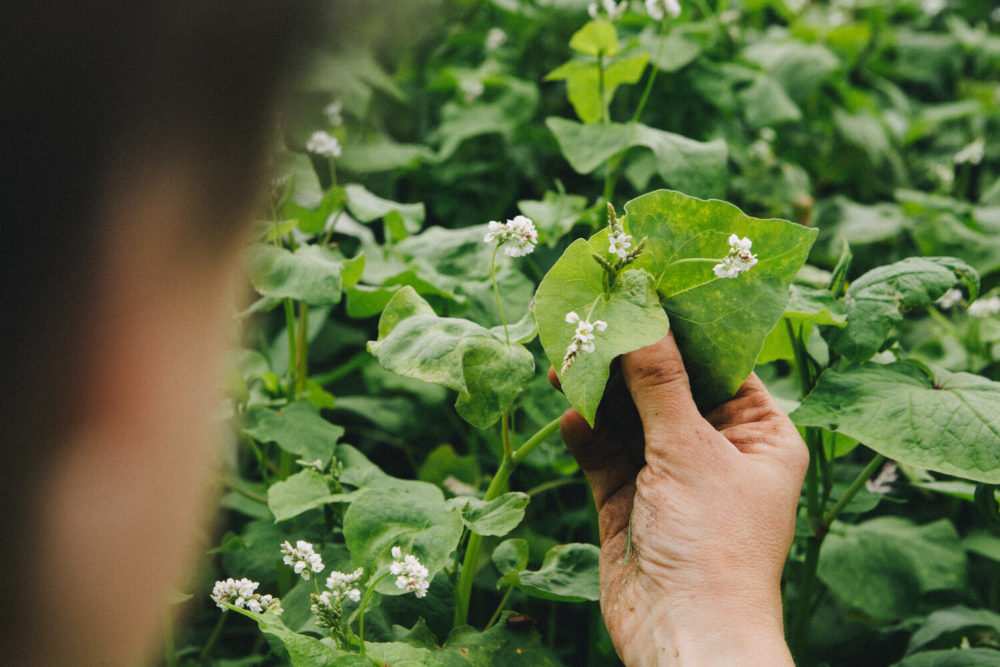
point(134, 139)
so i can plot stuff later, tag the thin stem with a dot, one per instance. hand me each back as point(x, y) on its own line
point(505, 431)
point(503, 602)
point(361, 609)
point(799, 621)
point(290, 329)
point(302, 351)
point(216, 631)
point(605, 113)
point(652, 75)
point(346, 368)
point(169, 642)
point(499, 482)
point(246, 494)
point(496, 292)
point(689, 260)
point(801, 360)
point(852, 490)
point(812, 486)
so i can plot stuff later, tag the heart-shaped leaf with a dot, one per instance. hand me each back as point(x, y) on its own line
point(494, 517)
point(568, 573)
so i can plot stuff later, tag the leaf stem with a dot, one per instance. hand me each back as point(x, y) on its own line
point(302, 350)
point(345, 368)
point(290, 329)
point(216, 631)
point(509, 462)
point(660, 32)
point(852, 491)
point(361, 609)
point(496, 292)
point(605, 113)
point(496, 614)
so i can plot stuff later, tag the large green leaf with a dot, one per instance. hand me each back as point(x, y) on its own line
point(949, 423)
point(971, 657)
point(695, 167)
point(878, 299)
point(303, 650)
point(494, 517)
point(301, 492)
point(366, 206)
point(632, 312)
point(487, 373)
point(806, 306)
point(311, 274)
point(568, 573)
point(885, 565)
point(297, 428)
point(585, 82)
point(421, 524)
point(946, 627)
point(499, 646)
point(720, 324)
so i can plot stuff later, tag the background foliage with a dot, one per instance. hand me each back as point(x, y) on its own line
point(875, 122)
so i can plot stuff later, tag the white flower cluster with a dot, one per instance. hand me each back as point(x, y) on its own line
point(302, 558)
point(613, 10)
point(410, 574)
point(985, 307)
point(242, 594)
point(883, 481)
point(583, 338)
point(619, 242)
point(657, 9)
point(949, 299)
point(518, 236)
point(738, 260)
point(495, 38)
point(341, 585)
point(973, 153)
point(472, 90)
point(322, 143)
point(333, 113)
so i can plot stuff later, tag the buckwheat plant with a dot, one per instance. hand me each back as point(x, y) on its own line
point(324, 144)
point(518, 238)
point(583, 338)
point(302, 558)
point(328, 606)
point(738, 260)
point(411, 576)
point(242, 595)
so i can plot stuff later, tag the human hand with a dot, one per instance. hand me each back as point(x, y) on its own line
point(696, 515)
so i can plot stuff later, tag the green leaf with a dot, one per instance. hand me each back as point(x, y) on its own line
point(983, 544)
point(301, 492)
point(487, 373)
point(632, 312)
point(949, 423)
point(669, 52)
point(311, 274)
point(367, 207)
point(945, 628)
point(399, 654)
point(584, 83)
point(568, 574)
point(444, 464)
point(494, 517)
point(695, 167)
point(500, 646)
point(303, 650)
point(970, 657)
point(422, 524)
point(720, 324)
point(555, 215)
point(595, 38)
point(879, 298)
point(806, 306)
point(883, 566)
point(297, 428)
point(510, 556)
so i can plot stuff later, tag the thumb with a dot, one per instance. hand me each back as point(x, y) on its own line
point(659, 385)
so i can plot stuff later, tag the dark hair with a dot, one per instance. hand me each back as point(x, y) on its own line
point(87, 85)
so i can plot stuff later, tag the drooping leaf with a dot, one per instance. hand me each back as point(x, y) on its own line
point(694, 167)
point(949, 423)
point(878, 299)
point(461, 355)
point(595, 38)
point(884, 565)
point(720, 324)
point(585, 81)
point(510, 556)
point(806, 306)
point(311, 274)
point(495, 517)
point(500, 646)
point(303, 650)
point(301, 492)
point(632, 312)
point(297, 428)
point(568, 574)
point(366, 206)
point(945, 628)
point(422, 524)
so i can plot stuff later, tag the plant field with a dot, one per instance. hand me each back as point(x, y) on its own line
point(805, 189)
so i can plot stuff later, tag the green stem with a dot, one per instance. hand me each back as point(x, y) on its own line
point(497, 485)
point(496, 292)
point(852, 490)
point(813, 510)
point(660, 33)
point(503, 602)
point(346, 368)
point(169, 642)
point(605, 113)
point(361, 609)
point(290, 329)
point(216, 631)
point(505, 432)
point(246, 494)
point(302, 351)
point(799, 621)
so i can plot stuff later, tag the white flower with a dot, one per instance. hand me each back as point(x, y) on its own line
point(949, 299)
point(613, 10)
point(933, 7)
point(973, 153)
point(985, 307)
point(657, 9)
point(518, 236)
point(471, 90)
point(738, 260)
point(341, 585)
point(242, 594)
point(995, 15)
point(495, 38)
point(583, 338)
point(883, 482)
point(321, 143)
point(302, 558)
point(618, 244)
point(333, 113)
point(411, 575)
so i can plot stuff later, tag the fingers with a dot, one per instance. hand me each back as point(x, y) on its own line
point(659, 386)
point(604, 460)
